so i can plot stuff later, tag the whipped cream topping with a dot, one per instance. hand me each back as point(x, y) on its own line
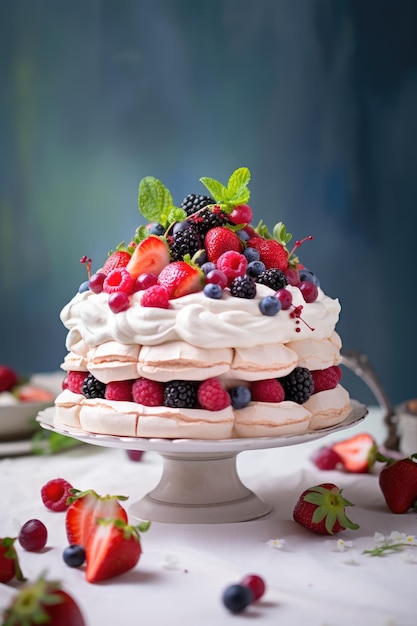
point(200, 321)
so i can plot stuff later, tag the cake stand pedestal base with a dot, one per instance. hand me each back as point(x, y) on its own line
point(199, 489)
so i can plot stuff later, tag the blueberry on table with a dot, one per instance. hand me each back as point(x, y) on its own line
point(237, 597)
point(74, 555)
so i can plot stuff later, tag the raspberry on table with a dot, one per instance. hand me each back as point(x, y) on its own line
point(148, 392)
point(55, 493)
point(211, 395)
point(119, 390)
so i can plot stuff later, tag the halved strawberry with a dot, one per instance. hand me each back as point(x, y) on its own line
point(358, 453)
point(181, 278)
point(150, 256)
point(113, 548)
point(117, 259)
point(33, 393)
point(272, 253)
point(85, 508)
point(219, 240)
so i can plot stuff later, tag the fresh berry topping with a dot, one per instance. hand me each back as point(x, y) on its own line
point(150, 256)
point(55, 494)
point(75, 381)
point(118, 280)
point(96, 282)
point(268, 390)
point(232, 264)
point(180, 394)
point(181, 278)
point(33, 535)
point(219, 240)
point(185, 241)
point(193, 203)
point(241, 214)
point(240, 396)
point(309, 291)
point(207, 267)
point(144, 281)
point(155, 228)
point(252, 254)
point(298, 385)
point(9, 561)
point(211, 290)
point(85, 286)
point(293, 277)
point(218, 277)
point(32, 393)
point(270, 305)
point(358, 453)
point(308, 275)
point(148, 392)
point(255, 268)
point(118, 302)
point(326, 458)
point(285, 297)
point(209, 218)
point(273, 278)
point(116, 260)
point(272, 253)
point(256, 584)
point(325, 379)
point(93, 388)
point(243, 287)
point(8, 378)
point(119, 390)
point(155, 296)
point(74, 555)
point(237, 597)
point(321, 509)
point(211, 395)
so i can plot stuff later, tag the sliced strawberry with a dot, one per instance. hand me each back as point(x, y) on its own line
point(33, 393)
point(118, 259)
point(272, 253)
point(219, 240)
point(150, 256)
point(358, 453)
point(181, 278)
point(113, 548)
point(86, 507)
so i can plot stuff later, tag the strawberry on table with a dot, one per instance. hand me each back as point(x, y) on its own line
point(398, 482)
point(321, 509)
point(113, 548)
point(85, 508)
point(181, 278)
point(33, 393)
point(43, 602)
point(8, 378)
point(358, 453)
point(9, 561)
point(150, 256)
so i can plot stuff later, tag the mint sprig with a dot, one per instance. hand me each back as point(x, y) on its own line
point(235, 193)
point(156, 204)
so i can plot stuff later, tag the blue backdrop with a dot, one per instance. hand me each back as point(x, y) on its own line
point(317, 97)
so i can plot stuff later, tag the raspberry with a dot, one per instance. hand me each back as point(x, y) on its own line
point(243, 287)
point(75, 381)
point(8, 378)
point(326, 458)
point(118, 280)
point(325, 379)
point(119, 390)
point(148, 392)
point(338, 371)
point(155, 296)
point(269, 390)
point(211, 395)
point(93, 388)
point(298, 385)
point(180, 394)
point(232, 263)
point(54, 494)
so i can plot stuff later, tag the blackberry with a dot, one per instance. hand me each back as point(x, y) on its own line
point(298, 385)
point(273, 278)
point(243, 287)
point(209, 218)
point(187, 241)
point(93, 388)
point(193, 203)
point(180, 394)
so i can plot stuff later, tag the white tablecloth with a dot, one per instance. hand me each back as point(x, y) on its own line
point(184, 568)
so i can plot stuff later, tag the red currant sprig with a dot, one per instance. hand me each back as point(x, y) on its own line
point(85, 260)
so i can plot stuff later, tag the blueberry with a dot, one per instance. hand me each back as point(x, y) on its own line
point(74, 555)
point(178, 226)
point(251, 254)
point(240, 396)
point(306, 274)
point(156, 229)
point(85, 286)
point(255, 268)
point(243, 235)
point(270, 305)
point(237, 597)
point(211, 290)
point(208, 267)
point(201, 258)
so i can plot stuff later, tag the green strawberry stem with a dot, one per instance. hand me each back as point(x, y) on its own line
point(10, 553)
point(330, 508)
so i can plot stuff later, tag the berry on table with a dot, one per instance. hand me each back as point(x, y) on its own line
point(55, 493)
point(256, 584)
point(8, 378)
point(321, 509)
point(74, 555)
point(237, 597)
point(326, 458)
point(33, 535)
point(9, 561)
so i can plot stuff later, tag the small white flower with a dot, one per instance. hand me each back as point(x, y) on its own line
point(379, 538)
point(171, 562)
point(352, 559)
point(277, 544)
point(396, 537)
point(409, 557)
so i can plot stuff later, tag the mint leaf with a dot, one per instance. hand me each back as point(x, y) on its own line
point(153, 198)
point(216, 189)
point(237, 190)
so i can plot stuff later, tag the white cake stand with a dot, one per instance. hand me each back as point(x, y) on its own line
point(199, 482)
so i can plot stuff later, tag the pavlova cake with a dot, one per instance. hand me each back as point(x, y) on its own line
point(203, 326)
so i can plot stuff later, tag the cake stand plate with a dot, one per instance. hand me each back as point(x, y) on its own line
point(199, 482)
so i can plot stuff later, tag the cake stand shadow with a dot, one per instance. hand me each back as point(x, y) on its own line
point(199, 482)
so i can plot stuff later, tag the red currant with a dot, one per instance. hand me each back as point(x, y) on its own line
point(218, 278)
point(256, 584)
point(144, 281)
point(118, 301)
point(96, 282)
point(309, 291)
point(241, 214)
point(33, 535)
point(285, 297)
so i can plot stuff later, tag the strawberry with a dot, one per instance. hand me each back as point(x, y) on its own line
point(219, 240)
point(181, 278)
point(43, 602)
point(150, 256)
point(113, 548)
point(116, 260)
point(272, 253)
point(8, 378)
point(398, 482)
point(85, 508)
point(321, 509)
point(9, 561)
point(33, 393)
point(358, 453)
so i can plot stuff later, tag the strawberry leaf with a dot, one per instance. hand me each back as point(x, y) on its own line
point(154, 199)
